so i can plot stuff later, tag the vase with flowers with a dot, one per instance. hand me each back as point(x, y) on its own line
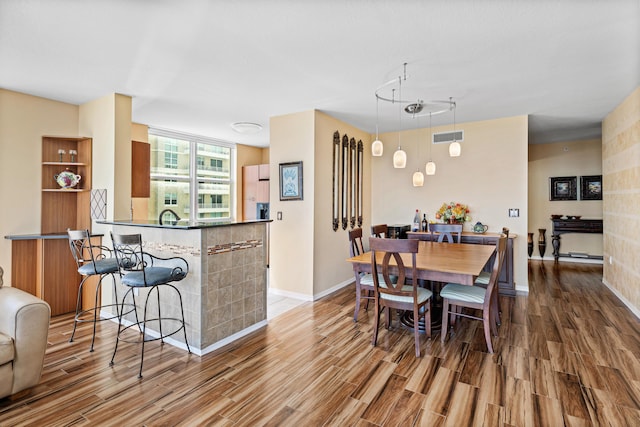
point(453, 213)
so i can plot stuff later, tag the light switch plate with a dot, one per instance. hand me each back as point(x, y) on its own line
point(514, 213)
point(279, 216)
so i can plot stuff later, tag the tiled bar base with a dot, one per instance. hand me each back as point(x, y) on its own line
point(225, 292)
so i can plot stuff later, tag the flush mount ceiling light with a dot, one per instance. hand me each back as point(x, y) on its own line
point(413, 104)
point(246, 128)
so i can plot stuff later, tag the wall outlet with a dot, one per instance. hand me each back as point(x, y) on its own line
point(279, 216)
point(610, 259)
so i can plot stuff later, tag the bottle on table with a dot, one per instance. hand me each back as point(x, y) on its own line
point(416, 221)
point(424, 223)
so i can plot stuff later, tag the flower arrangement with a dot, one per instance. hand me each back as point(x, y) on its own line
point(457, 211)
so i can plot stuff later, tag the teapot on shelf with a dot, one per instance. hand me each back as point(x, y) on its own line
point(67, 179)
point(480, 228)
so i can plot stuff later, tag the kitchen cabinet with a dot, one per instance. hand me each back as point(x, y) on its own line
point(140, 169)
point(255, 189)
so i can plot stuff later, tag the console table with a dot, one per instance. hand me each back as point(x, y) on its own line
point(563, 226)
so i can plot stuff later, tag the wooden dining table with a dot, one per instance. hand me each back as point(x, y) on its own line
point(439, 262)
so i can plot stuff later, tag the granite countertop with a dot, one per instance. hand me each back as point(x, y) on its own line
point(183, 224)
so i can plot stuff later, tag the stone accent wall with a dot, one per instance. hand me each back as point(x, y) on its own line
point(236, 282)
point(621, 199)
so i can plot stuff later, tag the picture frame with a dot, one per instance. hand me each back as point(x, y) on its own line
point(563, 188)
point(591, 187)
point(291, 184)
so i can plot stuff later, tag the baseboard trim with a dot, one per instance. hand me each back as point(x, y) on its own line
point(625, 301)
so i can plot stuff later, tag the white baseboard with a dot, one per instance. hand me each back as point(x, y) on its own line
point(333, 289)
point(625, 301)
point(195, 350)
point(568, 259)
point(314, 297)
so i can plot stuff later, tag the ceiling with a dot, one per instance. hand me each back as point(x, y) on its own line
point(196, 66)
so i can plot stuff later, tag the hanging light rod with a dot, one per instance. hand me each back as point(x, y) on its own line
point(413, 106)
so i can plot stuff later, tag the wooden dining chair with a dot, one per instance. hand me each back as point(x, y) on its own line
point(455, 297)
point(398, 295)
point(364, 281)
point(380, 230)
point(483, 280)
point(446, 231)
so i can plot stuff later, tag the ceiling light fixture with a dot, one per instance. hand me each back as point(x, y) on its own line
point(377, 148)
point(246, 128)
point(399, 157)
point(454, 147)
point(430, 168)
point(418, 177)
point(414, 105)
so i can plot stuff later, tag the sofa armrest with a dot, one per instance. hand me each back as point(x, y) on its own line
point(25, 318)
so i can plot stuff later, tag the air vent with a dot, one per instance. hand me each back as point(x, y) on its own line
point(447, 137)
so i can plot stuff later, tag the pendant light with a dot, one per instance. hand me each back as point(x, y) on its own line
point(430, 168)
point(418, 177)
point(454, 147)
point(399, 157)
point(377, 148)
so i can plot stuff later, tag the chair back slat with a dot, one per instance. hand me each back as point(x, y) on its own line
point(446, 230)
point(380, 230)
point(128, 251)
point(355, 242)
point(392, 249)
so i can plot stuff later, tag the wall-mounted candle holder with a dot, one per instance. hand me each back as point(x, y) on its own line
point(61, 153)
point(73, 153)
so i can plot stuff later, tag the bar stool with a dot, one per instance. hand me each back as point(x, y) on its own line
point(139, 269)
point(92, 260)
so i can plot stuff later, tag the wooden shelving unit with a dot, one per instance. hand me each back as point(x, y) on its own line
point(42, 264)
point(64, 208)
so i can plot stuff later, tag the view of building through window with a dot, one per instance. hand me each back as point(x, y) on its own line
point(176, 186)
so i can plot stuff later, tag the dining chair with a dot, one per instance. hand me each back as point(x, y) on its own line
point(139, 269)
point(364, 281)
point(446, 231)
point(455, 297)
point(380, 230)
point(483, 280)
point(398, 295)
point(92, 261)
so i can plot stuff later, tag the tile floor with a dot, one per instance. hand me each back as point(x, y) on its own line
point(277, 304)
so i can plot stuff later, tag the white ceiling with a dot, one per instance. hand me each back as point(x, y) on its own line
point(197, 66)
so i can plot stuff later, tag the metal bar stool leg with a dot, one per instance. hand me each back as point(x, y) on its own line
point(78, 308)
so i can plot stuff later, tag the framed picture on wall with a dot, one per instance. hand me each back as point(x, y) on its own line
point(563, 188)
point(591, 187)
point(291, 181)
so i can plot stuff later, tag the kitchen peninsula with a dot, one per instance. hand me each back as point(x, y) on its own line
point(225, 292)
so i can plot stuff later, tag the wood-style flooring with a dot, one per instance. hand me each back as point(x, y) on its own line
point(568, 354)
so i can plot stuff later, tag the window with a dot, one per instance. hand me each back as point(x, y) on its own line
point(192, 174)
point(170, 199)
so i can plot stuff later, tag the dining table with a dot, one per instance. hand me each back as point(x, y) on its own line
point(437, 262)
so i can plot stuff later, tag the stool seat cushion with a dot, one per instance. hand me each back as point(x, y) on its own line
point(6, 349)
point(155, 276)
point(102, 266)
point(454, 291)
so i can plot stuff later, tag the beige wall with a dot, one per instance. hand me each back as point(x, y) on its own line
point(621, 199)
point(24, 119)
point(292, 238)
point(331, 247)
point(490, 176)
point(572, 158)
point(108, 121)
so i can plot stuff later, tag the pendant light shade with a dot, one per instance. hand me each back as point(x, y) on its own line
point(454, 149)
point(399, 159)
point(377, 148)
point(430, 168)
point(418, 179)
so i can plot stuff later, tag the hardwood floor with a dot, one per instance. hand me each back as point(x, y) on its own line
point(568, 354)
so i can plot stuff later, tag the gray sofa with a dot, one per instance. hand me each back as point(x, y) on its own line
point(24, 325)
